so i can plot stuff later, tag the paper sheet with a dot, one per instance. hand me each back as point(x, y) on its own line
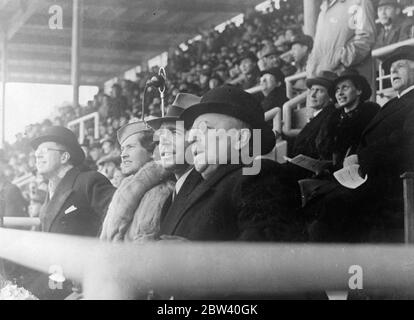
point(309, 163)
point(349, 177)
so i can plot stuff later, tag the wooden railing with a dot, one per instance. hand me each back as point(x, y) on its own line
point(81, 122)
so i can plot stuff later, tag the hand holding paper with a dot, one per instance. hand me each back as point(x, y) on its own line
point(351, 160)
point(349, 177)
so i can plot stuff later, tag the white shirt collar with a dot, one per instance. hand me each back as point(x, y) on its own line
point(317, 112)
point(181, 181)
point(405, 91)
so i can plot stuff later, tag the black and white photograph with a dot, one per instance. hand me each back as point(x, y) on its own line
point(207, 156)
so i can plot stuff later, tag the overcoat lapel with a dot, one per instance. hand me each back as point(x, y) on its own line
point(53, 207)
point(392, 107)
point(172, 208)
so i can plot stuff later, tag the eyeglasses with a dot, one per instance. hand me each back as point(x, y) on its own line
point(45, 150)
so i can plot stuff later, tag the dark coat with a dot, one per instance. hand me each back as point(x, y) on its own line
point(90, 193)
point(230, 206)
point(342, 132)
point(14, 203)
point(374, 212)
point(310, 141)
point(275, 99)
point(385, 150)
point(79, 204)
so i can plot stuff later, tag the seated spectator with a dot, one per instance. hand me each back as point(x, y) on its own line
point(76, 201)
point(344, 127)
point(227, 205)
point(302, 46)
point(392, 27)
point(272, 82)
point(134, 212)
point(117, 178)
point(310, 142)
point(249, 71)
point(269, 57)
point(107, 165)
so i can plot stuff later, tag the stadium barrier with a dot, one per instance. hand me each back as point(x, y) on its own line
point(290, 81)
point(24, 180)
point(81, 122)
point(20, 222)
point(289, 109)
point(254, 90)
point(197, 270)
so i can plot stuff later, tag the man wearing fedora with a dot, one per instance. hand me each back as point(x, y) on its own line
point(392, 27)
point(77, 201)
point(176, 155)
point(232, 203)
point(310, 142)
point(374, 211)
point(343, 129)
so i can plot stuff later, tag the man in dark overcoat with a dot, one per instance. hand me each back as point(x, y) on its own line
point(238, 198)
point(76, 203)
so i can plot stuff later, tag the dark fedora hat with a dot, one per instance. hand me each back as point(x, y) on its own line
point(360, 81)
point(182, 101)
point(237, 103)
point(276, 72)
point(324, 78)
point(66, 138)
point(130, 129)
point(401, 53)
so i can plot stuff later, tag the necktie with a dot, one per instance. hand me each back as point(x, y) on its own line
point(174, 196)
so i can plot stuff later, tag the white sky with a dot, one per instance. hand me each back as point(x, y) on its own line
point(28, 103)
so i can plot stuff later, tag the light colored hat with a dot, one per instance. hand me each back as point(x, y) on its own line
point(131, 129)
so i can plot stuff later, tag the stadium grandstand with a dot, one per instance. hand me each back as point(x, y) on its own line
point(196, 47)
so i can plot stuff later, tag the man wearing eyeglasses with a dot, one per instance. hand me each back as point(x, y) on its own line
point(77, 201)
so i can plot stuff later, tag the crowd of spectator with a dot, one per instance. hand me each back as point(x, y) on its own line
point(248, 55)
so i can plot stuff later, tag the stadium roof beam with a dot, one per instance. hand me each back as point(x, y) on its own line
point(113, 60)
point(111, 30)
point(230, 6)
point(21, 17)
point(47, 40)
point(113, 25)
